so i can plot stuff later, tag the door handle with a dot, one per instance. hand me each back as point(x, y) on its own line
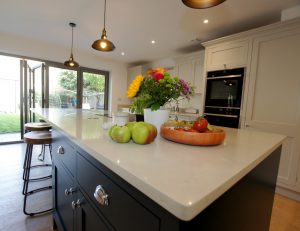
point(76, 204)
point(101, 196)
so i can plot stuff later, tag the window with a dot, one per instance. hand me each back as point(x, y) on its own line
point(81, 88)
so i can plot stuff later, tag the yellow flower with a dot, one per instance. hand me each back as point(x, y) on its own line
point(135, 86)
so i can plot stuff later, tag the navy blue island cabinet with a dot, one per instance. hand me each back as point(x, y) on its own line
point(87, 196)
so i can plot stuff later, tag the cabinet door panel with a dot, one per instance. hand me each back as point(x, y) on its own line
point(199, 73)
point(274, 95)
point(185, 71)
point(86, 217)
point(62, 202)
point(232, 55)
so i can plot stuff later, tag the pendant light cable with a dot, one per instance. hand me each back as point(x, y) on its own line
point(71, 62)
point(103, 44)
point(72, 39)
point(104, 12)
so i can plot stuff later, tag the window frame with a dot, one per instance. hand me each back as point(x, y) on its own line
point(80, 71)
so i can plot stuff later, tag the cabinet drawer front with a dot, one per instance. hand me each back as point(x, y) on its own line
point(64, 151)
point(122, 211)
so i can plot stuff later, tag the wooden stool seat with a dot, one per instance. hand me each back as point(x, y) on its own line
point(43, 137)
point(37, 126)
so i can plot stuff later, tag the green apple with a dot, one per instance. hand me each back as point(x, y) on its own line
point(130, 125)
point(121, 134)
point(143, 133)
point(110, 130)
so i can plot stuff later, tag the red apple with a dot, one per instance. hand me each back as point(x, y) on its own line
point(200, 124)
point(153, 131)
point(143, 133)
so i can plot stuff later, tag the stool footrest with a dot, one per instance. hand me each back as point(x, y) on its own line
point(38, 190)
point(40, 178)
point(37, 213)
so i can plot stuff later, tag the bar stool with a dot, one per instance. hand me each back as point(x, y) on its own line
point(34, 138)
point(39, 126)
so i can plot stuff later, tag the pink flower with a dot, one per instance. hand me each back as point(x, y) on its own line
point(158, 76)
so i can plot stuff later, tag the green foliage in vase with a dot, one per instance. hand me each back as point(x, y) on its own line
point(157, 89)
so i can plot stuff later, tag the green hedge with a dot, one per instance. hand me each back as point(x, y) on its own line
point(9, 123)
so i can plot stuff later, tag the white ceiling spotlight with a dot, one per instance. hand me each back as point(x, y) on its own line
point(153, 42)
point(123, 53)
point(205, 21)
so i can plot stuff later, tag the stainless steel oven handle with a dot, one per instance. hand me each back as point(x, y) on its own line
point(224, 77)
point(221, 115)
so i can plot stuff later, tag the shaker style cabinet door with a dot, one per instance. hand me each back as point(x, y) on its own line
point(185, 70)
point(227, 55)
point(64, 196)
point(191, 69)
point(86, 217)
point(274, 96)
point(199, 75)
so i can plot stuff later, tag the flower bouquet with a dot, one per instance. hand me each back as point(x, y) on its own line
point(156, 89)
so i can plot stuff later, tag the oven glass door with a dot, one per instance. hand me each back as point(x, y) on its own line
point(224, 92)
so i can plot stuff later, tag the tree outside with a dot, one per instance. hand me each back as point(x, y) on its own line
point(93, 88)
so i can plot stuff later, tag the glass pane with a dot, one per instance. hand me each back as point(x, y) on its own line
point(62, 88)
point(38, 87)
point(93, 91)
point(9, 99)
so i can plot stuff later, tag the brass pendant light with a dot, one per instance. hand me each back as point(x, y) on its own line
point(71, 62)
point(202, 4)
point(103, 44)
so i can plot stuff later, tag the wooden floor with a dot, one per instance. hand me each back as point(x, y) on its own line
point(285, 216)
point(11, 198)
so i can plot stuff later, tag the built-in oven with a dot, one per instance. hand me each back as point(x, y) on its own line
point(224, 89)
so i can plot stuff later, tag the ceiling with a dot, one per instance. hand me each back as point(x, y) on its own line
point(132, 24)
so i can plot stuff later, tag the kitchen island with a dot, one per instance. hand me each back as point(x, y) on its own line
point(160, 186)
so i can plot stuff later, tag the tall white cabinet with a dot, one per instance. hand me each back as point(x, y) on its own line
point(271, 98)
point(191, 69)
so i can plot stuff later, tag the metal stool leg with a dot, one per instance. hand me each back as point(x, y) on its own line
point(41, 156)
point(26, 193)
point(27, 168)
point(25, 161)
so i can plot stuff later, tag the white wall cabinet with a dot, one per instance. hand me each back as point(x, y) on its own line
point(272, 88)
point(227, 55)
point(191, 69)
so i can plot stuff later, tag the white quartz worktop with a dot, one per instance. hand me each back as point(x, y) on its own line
point(183, 179)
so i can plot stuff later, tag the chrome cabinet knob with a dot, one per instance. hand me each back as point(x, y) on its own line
point(70, 191)
point(60, 150)
point(101, 196)
point(76, 204)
